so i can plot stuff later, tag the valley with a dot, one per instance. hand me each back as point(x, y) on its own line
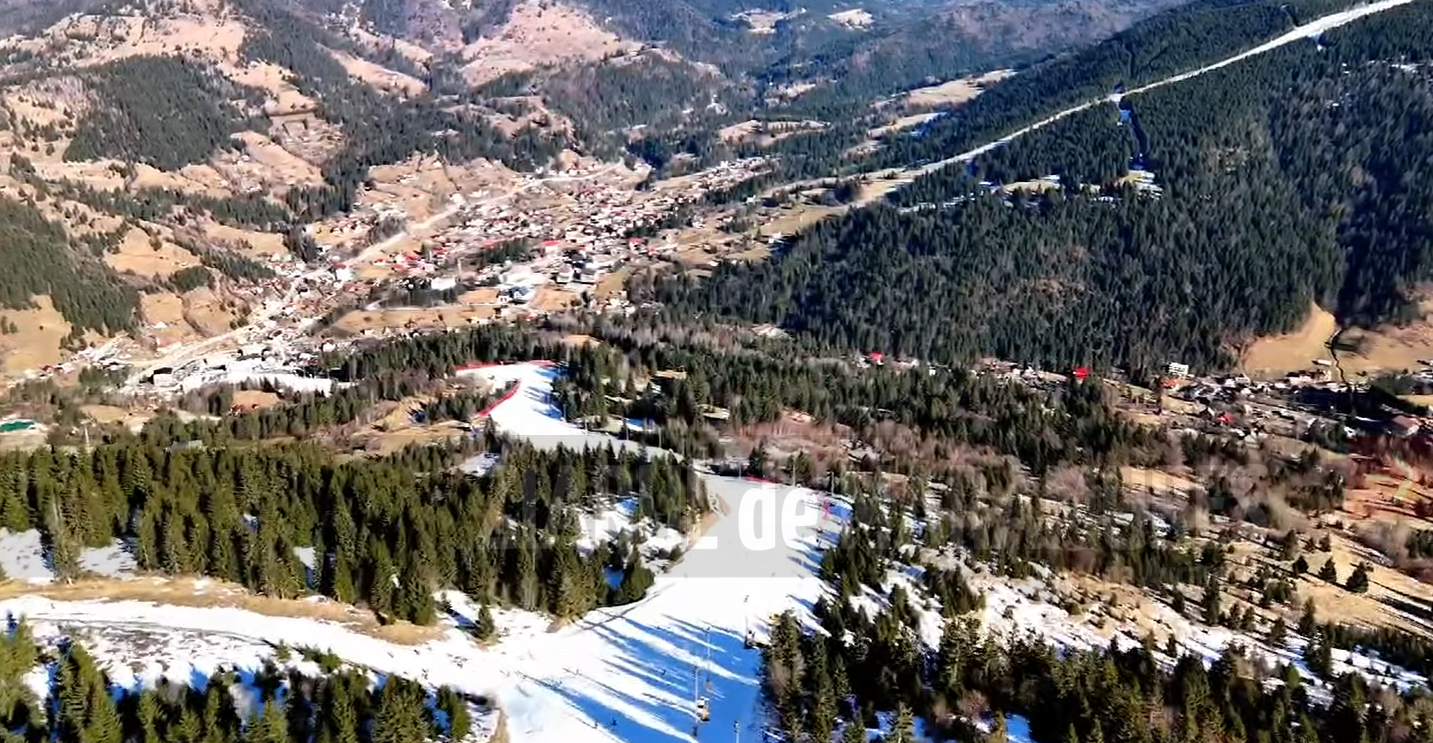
point(661, 372)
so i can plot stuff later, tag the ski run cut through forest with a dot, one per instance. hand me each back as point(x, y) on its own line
point(632, 674)
point(1307, 32)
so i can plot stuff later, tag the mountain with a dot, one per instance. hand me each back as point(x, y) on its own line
point(195, 138)
point(1177, 224)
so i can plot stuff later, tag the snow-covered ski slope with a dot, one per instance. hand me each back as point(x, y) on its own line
point(1310, 30)
point(531, 414)
point(627, 674)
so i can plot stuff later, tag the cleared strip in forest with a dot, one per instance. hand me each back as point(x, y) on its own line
point(1307, 31)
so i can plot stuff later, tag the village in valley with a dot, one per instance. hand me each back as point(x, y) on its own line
point(480, 438)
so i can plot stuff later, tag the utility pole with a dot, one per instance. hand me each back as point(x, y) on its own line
point(696, 685)
point(708, 641)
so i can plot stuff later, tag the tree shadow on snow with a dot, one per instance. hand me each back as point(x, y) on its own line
point(647, 692)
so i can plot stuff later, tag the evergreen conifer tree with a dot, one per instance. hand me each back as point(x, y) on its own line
point(1358, 581)
point(485, 628)
point(1278, 633)
point(1212, 612)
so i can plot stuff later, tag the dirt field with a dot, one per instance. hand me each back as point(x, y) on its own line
point(307, 136)
point(284, 97)
point(198, 313)
point(255, 399)
point(37, 340)
point(390, 442)
point(536, 36)
point(953, 92)
point(1389, 347)
point(739, 132)
point(380, 77)
point(1388, 589)
point(552, 298)
point(200, 28)
point(406, 48)
point(758, 253)
point(192, 178)
point(253, 244)
point(110, 414)
point(1279, 355)
point(137, 254)
point(276, 166)
point(98, 175)
point(612, 284)
point(162, 307)
point(207, 312)
point(798, 218)
point(34, 108)
point(450, 316)
point(481, 295)
point(879, 188)
point(104, 413)
point(535, 114)
point(767, 133)
point(1386, 497)
point(394, 428)
point(212, 593)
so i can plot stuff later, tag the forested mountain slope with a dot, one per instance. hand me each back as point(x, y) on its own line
point(1286, 178)
point(1179, 39)
point(675, 73)
point(181, 121)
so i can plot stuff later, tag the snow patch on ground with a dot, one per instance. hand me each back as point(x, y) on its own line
point(480, 464)
point(114, 561)
point(257, 372)
point(630, 673)
point(22, 556)
point(136, 656)
point(857, 18)
point(1020, 607)
point(606, 524)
